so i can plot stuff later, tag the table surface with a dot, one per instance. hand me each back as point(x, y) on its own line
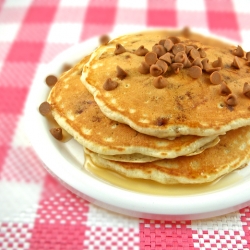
point(37, 212)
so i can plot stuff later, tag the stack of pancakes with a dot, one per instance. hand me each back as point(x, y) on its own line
point(168, 106)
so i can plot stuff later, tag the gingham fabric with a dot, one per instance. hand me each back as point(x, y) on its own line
point(38, 213)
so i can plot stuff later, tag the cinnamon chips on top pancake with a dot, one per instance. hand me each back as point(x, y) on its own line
point(175, 89)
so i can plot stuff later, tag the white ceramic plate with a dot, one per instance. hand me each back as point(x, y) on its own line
point(65, 160)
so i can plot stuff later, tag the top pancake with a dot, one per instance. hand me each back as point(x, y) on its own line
point(75, 110)
point(186, 105)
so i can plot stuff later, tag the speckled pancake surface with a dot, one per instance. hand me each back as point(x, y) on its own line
point(186, 105)
point(75, 110)
point(231, 153)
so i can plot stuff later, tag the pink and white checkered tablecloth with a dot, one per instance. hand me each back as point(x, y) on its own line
point(38, 213)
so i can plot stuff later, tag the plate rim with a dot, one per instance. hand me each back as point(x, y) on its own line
point(132, 203)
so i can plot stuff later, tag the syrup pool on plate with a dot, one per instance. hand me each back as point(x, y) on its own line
point(155, 188)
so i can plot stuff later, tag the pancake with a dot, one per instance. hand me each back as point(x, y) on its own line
point(76, 111)
point(231, 153)
point(136, 157)
point(186, 105)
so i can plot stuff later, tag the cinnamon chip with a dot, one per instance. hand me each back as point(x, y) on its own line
point(163, 66)
point(176, 67)
point(155, 70)
point(119, 49)
point(236, 63)
point(215, 78)
point(238, 52)
point(104, 39)
point(160, 82)
point(51, 80)
point(162, 41)
point(120, 73)
point(151, 58)
point(188, 48)
point(211, 70)
point(224, 89)
point(144, 68)
point(197, 62)
point(207, 67)
point(174, 39)
point(45, 108)
point(205, 64)
point(159, 50)
point(186, 32)
point(231, 100)
point(248, 63)
point(202, 53)
point(168, 44)
point(57, 133)
point(187, 63)
point(180, 57)
point(248, 56)
point(178, 48)
point(167, 58)
point(141, 51)
point(110, 85)
point(218, 63)
point(195, 46)
point(66, 67)
point(246, 90)
point(194, 53)
point(195, 72)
